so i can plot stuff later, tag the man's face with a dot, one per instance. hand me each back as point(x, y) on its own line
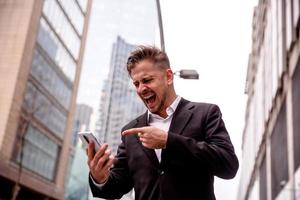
point(153, 86)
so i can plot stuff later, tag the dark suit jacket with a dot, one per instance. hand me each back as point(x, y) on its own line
point(198, 148)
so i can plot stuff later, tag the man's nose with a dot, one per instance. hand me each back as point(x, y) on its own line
point(141, 88)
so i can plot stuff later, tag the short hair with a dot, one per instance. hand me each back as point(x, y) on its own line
point(150, 53)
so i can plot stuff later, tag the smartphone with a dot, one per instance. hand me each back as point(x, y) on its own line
point(87, 137)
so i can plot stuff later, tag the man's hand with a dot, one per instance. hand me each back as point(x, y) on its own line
point(99, 162)
point(151, 137)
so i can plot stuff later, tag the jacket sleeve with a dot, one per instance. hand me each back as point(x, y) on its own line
point(119, 181)
point(215, 152)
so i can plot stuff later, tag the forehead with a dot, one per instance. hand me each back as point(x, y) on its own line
point(144, 69)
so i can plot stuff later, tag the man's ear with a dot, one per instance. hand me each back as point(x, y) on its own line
point(170, 76)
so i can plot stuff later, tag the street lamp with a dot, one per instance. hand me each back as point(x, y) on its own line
point(160, 24)
point(187, 74)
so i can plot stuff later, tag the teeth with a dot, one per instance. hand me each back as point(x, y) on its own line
point(148, 97)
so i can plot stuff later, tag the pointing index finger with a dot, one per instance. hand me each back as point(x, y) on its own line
point(133, 131)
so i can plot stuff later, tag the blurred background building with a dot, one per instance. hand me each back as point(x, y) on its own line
point(119, 102)
point(42, 45)
point(82, 120)
point(271, 153)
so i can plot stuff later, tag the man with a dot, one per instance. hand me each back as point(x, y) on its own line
point(171, 152)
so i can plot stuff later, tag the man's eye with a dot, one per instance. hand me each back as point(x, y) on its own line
point(147, 80)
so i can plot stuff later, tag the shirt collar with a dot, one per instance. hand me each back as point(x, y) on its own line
point(170, 110)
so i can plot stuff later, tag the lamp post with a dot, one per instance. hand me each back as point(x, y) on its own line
point(187, 74)
point(160, 24)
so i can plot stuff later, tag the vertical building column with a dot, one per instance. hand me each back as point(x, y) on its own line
point(18, 29)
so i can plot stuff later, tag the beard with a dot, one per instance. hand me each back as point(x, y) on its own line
point(159, 108)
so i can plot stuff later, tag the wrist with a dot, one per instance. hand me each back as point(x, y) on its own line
point(103, 179)
point(99, 180)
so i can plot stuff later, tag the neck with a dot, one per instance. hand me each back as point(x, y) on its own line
point(168, 102)
point(171, 100)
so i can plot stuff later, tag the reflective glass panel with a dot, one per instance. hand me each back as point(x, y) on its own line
point(49, 78)
point(40, 153)
point(62, 26)
point(56, 51)
point(83, 4)
point(74, 13)
point(42, 109)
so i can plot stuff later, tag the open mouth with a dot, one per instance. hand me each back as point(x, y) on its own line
point(150, 100)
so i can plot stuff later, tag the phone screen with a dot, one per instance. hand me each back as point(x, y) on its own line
point(87, 137)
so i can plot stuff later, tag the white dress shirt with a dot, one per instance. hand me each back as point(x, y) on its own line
point(163, 123)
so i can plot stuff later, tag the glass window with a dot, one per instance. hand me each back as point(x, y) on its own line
point(40, 153)
point(62, 26)
point(56, 51)
point(41, 108)
point(279, 155)
point(74, 13)
point(46, 75)
point(296, 115)
point(83, 4)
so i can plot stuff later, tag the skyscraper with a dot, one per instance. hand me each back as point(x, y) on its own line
point(42, 45)
point(119, 102)
point(271, 153)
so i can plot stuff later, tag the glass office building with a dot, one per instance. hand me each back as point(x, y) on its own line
point(40, 69)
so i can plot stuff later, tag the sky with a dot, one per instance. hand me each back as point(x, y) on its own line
point(213, 37)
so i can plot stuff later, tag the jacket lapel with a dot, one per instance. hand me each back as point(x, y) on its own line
point(181, 116)
point(143, 121)
point(180, 119)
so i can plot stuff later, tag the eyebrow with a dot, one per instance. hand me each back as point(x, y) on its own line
point(146, 77)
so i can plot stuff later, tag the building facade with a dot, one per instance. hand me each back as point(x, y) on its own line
point(271, 153)
point(119, 101)
point(42, 45)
